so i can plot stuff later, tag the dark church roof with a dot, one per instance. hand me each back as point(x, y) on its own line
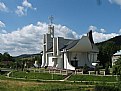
point(70, 44)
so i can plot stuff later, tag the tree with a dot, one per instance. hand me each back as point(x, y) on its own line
point(117, 67)
point(6, 57)
point(0, 57)
point(106, 51)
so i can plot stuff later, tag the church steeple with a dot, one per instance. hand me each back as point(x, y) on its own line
point(51, 27)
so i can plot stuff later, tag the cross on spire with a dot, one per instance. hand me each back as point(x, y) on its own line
point(51, 19)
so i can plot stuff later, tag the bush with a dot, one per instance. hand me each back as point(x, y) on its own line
point(85, 69)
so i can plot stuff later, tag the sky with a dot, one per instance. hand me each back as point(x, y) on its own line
point(23, 22)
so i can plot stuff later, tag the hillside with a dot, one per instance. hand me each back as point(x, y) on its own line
point(27, 55)
point(116, 40)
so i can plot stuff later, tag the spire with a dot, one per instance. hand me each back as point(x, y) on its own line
point(89, 34)
point(51, 20)
point(50, 26)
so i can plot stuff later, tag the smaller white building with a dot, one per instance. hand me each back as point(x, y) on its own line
point(115, 57)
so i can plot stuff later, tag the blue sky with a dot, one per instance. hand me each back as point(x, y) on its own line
point(77, 15)
point(19, 18)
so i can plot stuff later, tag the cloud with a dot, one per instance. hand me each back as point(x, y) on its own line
point(29, 39)
point(25, 3)
point(20, 11)
point(99, 37)
point(4, 31)
point(2, 24)
point(23, 9)
point(120, 31)
point(3, 7)
point(118, 2)
point(93, 28)
point(102, 30)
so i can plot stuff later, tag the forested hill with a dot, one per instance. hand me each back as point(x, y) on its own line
point(116, 40)
point(27, 55)
point(107, 49)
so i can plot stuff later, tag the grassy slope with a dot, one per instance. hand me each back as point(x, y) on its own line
point(33, 75)
point(92, 78)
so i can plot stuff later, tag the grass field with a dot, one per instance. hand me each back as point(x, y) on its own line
point(26, 84)
point(10, 85)
point(34, 75)
point(92, 78)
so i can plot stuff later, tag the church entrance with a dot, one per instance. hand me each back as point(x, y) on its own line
point(74, 63)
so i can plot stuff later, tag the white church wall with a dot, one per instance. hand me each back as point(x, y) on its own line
point(43, 61)
point(54, 46)
point(67, 64)
point(60, 63)
point(51, 63)
point(82, 58)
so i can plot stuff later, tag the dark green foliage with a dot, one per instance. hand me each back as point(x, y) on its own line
point(117, 67)
point(6, 60)
point(107, 71)
point(106, 50)
point(97, 69)
point(85, 69)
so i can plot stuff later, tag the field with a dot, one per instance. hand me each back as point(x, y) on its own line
point(36, 75)
point(92, 78)
point(33, 81)
point(14, 85)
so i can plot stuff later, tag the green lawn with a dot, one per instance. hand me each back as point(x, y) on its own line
point(92, 78)
point(10, 85)
point(34, 75)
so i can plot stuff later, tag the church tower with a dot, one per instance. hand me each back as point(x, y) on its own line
point(51, 27)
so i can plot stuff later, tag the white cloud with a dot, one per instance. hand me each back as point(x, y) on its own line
point(115, 1)
point(99, 37)
point(93, 28)
point(25, 3)
point(29, 39)
point(3, 7)
point(2, 24)
point(23, 9)
point(102, 30)
point(99, 34)
point(20, 11)
point(120, 31)
point(4, 31)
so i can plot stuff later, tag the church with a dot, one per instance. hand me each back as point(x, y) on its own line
point(70, 54)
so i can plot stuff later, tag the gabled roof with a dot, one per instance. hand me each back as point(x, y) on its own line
point(70, 44)
point(82, 45)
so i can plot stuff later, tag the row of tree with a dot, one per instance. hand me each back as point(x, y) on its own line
point(5, 57)
point(8, 61)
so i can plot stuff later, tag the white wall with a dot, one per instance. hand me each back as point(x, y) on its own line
point(67, 64)
point(82, 58)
